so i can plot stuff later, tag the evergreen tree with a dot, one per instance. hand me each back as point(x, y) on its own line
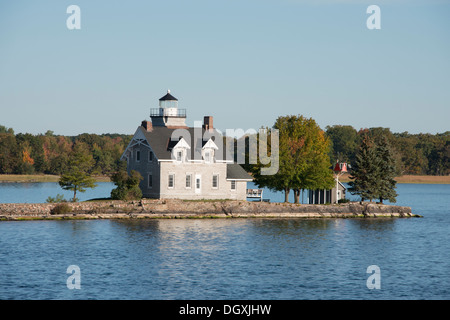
point(365, 172)
point(374, 171)
point(387, 171)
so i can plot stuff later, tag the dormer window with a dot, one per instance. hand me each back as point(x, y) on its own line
point(179, 154)
point(207, 156)
point(179, 150)
point(208, 149)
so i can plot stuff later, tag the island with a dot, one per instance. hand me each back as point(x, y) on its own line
point(185, 209)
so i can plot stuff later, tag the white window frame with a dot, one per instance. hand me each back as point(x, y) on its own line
point(215, 175)
point(173, 180)
point(233, 185)
point(190, 181)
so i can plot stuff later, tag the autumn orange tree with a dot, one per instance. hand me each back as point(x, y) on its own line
point(304, 162)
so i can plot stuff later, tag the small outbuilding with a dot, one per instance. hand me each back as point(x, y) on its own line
point(327, 196)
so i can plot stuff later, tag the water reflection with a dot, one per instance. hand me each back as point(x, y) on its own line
point(377, 224)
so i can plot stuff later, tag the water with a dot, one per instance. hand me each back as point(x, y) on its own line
point(234, 258)
point(38, 192)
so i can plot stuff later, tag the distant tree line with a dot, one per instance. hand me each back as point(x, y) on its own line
point(415, 154)
point(50, 154)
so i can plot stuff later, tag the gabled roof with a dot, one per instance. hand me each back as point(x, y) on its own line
point(342, 185)
point(161, 141)
point(179, 144)
point(209, 144)
point(236, 172)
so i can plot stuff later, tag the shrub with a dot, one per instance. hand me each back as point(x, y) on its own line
point(127, 186)
point(61, 208)
point(58, 199)
point(343, 200)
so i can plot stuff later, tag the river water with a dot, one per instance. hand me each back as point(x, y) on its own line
point(229, 258)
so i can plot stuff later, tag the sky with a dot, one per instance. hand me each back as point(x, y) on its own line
point(244, 62)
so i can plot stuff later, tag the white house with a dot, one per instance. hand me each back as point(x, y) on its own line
point(178, 162)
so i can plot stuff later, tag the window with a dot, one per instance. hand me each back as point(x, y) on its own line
point(138, 156)
point(171, 182)
point(197, 183)
point(215, 181)
point(207, 156)
point(179, 155)
point(150, 156)
point(188, 181)
point(233, 184)
point(150, 180)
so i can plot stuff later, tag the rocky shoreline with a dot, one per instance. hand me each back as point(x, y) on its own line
point(160, 209)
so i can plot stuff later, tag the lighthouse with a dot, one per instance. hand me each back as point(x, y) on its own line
point(168, 114)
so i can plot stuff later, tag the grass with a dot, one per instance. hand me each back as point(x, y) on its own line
point(412, 179)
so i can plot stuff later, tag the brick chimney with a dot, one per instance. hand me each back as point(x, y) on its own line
point(147, 125)
point(208, 123)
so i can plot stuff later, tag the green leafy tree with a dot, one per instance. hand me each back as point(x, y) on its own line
point(303, 158)
point(345, 141)
point(4, 129)
point(10, 153)
point(127, 186)
point(77, 178)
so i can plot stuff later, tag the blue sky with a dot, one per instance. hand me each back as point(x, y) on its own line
point(244, 62)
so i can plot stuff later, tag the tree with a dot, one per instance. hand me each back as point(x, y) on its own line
point(9, 153)
point(77, 177)
point(26, 165)
point(374, 170)
point(303, 158)
point(365, 171)
point(127, 185)
point(4, 129)
point(345, 141)
point(387, 171)
point(316, 173)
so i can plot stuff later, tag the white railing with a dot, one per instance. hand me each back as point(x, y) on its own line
point(255, 193)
